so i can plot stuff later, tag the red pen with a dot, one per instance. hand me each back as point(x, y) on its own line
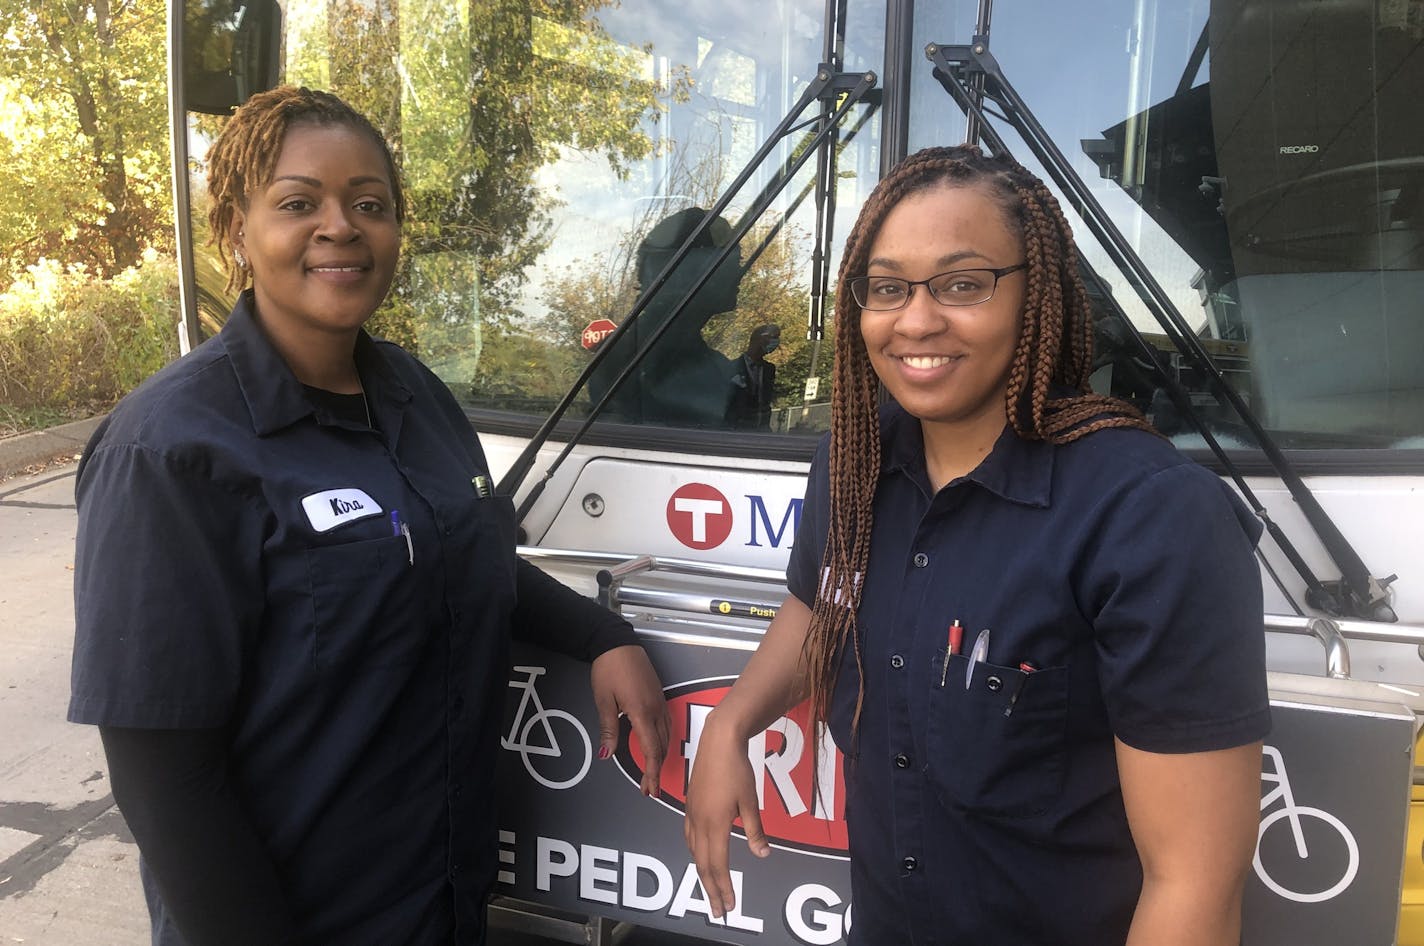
point(1026, 667)
point(956, 638)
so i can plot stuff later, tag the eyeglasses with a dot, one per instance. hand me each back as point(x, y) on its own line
point(961, 287)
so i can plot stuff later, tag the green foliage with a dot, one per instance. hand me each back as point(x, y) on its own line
point(73, 342)
point(522, 371)
point(83, 134)
point(18, 420)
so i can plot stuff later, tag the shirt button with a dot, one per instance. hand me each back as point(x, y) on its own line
point(902, 761)
point(449, 530)
point(897, 661)
point(909, 864)
point(995, 684)
point(921, 559)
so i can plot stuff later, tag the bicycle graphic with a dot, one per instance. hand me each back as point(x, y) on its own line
point(549, 747)
point(1296, 813)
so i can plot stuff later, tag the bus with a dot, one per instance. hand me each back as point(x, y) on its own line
point(614, 203)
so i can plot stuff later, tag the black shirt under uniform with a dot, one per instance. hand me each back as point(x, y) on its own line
point(339, 601)
point(1121, 572)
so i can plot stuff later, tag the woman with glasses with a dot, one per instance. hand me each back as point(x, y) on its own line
point(1033, 628)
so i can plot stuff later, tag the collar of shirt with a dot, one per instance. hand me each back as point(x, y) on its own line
point(274, 396)
point(1018, 470)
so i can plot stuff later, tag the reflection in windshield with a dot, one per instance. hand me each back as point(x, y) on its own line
point(1252, 153)
point(683, 380)
point(741, 70)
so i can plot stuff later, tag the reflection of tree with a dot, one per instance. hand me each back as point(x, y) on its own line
point(477, 99)
point(772, 291)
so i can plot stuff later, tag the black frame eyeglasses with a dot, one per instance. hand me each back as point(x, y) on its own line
point(888, 293)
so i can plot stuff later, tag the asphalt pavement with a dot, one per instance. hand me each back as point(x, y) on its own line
point(68, 865)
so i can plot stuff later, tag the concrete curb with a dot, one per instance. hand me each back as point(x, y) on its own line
point(41, 446)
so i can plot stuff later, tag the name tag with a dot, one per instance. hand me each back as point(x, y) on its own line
point(336, 507)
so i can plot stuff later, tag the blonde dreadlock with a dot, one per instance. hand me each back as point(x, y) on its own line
point(244, 157)
point(1055, 348)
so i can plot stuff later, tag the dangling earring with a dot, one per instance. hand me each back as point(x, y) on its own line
point(237, 254)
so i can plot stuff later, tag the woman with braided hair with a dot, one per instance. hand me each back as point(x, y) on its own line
point(295, 592)
point(1033, 628)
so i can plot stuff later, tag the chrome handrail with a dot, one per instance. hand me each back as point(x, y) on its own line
point(681, 566)
point(1328, 632)
point(1333, 635)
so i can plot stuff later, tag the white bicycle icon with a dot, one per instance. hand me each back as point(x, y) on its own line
point(549, 747)
point(1295, 813)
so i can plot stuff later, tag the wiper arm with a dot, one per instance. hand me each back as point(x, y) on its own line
point(966, 70)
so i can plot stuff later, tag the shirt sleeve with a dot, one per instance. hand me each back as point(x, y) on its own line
point(1174, 594)
point(167, 591)
point(803, 568)
point(213, 874)
point(553, 615)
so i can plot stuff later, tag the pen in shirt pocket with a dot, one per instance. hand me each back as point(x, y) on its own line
point(977, 655)
point(1026, 667)
point(398, 527)
point(956, 640)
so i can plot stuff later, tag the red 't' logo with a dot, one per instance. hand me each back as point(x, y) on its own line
point(699, 516)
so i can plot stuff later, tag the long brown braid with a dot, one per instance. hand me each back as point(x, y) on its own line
point(1055, 349)
point(244, 157)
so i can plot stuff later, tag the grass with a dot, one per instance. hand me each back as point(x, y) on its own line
point(23, 420)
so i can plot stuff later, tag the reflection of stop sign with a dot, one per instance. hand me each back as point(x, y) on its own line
point(597, 331)
point(699, 516)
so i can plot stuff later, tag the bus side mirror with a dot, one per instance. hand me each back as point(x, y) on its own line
point(230, 51)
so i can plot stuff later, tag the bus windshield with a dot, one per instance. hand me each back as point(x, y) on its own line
point(1256, 155)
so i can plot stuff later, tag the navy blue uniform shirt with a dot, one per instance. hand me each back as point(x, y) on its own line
point(339, 599)
point(1124, 573)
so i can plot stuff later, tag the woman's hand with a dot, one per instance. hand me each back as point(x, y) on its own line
point(624, 681)
point(722, 788)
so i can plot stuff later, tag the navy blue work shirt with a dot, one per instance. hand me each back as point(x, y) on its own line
point(244, 563)
point(1121, 572)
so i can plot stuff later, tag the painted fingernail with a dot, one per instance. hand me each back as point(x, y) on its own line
point(604, 752)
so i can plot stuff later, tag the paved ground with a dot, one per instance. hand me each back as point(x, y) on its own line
point(68, 866)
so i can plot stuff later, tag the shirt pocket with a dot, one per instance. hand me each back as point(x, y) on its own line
point(365, 612)
point(998, 747)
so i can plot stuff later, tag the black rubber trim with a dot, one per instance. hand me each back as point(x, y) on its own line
point(1348, 462)
point(721, 443)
